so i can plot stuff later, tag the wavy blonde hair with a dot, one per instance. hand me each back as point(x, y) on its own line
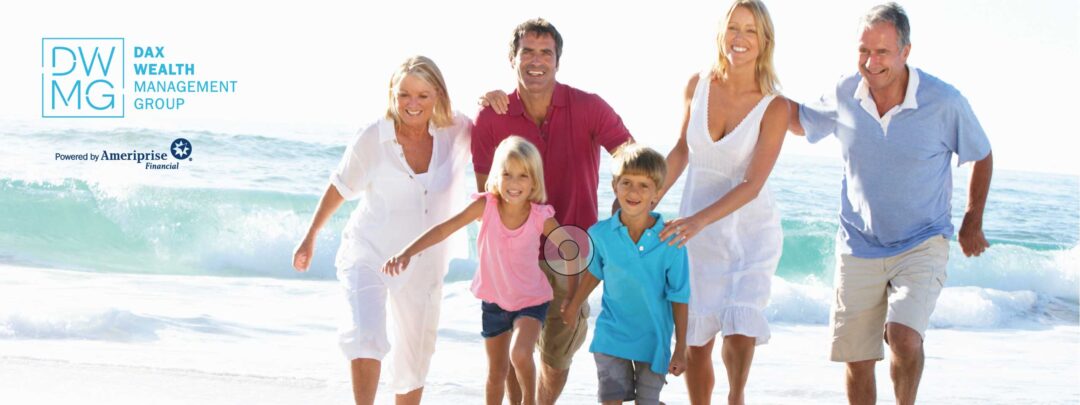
point(763, 69)
point(516, 149)
point(425, 69)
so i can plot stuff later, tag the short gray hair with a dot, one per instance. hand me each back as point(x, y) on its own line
point(893, 14)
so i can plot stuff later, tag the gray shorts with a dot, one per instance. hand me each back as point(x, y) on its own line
point(627, 380)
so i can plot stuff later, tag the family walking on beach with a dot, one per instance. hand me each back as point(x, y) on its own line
point(670, 286)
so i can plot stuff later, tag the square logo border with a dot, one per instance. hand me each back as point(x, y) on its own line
point(123, 77)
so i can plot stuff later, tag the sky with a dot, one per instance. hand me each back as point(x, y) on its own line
point(321, 69)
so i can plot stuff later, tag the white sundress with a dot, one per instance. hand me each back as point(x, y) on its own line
point(732, 260)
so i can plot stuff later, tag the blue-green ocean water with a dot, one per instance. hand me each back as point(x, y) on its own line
point(242, 203)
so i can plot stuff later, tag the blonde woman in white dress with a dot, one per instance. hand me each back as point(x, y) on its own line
point(732, 131)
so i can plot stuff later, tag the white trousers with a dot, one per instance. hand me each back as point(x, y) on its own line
point(415, 309)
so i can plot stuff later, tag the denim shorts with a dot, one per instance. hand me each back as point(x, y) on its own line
point(497, 320)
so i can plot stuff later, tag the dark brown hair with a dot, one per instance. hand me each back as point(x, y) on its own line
point(539, 27)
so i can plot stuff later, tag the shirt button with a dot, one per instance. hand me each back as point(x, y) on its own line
point(641, 248)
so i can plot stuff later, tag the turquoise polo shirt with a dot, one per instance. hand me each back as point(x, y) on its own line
point(640, 282)
point(897, 185)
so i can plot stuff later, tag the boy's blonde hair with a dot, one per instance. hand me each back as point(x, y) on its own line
point(634, 158)
point(516, 149)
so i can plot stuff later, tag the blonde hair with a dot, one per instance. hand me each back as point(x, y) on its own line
point(517, 149)
point(763, 69)
point(634, 158)
point(425, 69)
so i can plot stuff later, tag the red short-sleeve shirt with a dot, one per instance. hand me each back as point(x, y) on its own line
point(576, 126)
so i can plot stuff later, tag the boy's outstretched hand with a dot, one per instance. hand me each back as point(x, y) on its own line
point(678, 362)
point(396, 265)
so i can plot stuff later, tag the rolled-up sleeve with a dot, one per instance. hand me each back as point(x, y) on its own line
point(352, 174)
point(678, 278)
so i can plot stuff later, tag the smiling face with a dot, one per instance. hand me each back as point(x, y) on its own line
point(415, 99)
point(516, 184)
point(741, 40)
point(881, 60)
point(536, 63)
point(636, 194)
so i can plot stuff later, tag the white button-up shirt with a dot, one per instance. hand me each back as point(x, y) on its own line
point(396, 204)
point(866, 100)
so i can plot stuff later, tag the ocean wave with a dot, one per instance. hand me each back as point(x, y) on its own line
point(1004, 267)
point(75, 224)
point(110, 319)
point(105, 324)
point(974, 307)
point(957, 307)
point(110, 324)
point(137, 228)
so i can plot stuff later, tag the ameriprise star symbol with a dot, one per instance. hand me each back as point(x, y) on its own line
point(180, 149)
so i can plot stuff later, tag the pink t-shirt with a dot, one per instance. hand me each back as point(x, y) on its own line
point(509, 274)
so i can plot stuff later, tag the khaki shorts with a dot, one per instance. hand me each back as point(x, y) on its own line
point(559, 342)
point(872, 292)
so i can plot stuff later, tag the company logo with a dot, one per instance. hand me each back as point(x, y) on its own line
point(181, 149)
point(82, 77)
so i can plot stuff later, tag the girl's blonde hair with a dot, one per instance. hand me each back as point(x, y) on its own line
point(516, 149)
point(425, 69)
point(764, 70)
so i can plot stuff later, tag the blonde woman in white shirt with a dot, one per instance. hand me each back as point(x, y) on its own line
point(407, 169)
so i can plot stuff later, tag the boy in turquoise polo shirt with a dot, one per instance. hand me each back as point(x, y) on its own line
point(646, 287)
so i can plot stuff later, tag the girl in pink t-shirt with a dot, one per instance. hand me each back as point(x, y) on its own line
point(514, 291)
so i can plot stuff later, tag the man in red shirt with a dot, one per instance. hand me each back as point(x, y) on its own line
point(569, 126)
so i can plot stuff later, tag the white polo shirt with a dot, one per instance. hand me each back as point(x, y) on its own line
point(396, 204)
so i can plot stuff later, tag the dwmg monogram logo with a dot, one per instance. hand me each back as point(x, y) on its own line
point(82, 77)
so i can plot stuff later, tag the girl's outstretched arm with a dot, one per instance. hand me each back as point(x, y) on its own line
point(436, 234)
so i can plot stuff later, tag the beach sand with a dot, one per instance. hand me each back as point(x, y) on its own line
point(79, 337)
